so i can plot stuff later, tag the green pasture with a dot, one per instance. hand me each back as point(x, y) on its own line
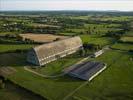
point(56, 67)
point(97, 40)
point(123, 46)
point(93, 29)
point(129, 33)
point(13, 47)
point(115, 83)
point(116, 18)
point(127, 39)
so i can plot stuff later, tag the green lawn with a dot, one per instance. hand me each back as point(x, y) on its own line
point(12, 59)
point(123, 46)
point(115, 83)
point(13, 92)
point(96, 40)
point(53, 89)
point(56, 67)
point(12, 47)
point(127, 39)
point(41, 82)
point(117, 18)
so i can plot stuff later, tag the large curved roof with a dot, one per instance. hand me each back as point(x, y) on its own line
point(56, 47)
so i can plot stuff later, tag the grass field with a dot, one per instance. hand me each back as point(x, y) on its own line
point(116, 18)
point(123, 46)
point(115, 83)
point(56, 67)
point(94, 29)
point(96, 40)
point(12, 47)
point(130, 33)
point(127, 39)
point(12, 59)
point(13, 92)
point(80, 17)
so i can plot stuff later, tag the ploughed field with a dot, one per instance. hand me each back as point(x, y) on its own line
point(43, 38)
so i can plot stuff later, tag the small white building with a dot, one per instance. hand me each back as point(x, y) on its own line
point(98, 53)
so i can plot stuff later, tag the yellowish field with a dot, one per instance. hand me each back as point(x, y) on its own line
point(42, 37)
point(44, 25)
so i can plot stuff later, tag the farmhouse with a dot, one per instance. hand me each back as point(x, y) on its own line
point(86, 71)
point(46, 53)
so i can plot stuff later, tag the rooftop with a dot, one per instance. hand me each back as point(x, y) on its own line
point(87, 70)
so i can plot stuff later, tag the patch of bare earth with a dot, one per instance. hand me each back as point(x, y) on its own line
point(4, 71)
point(43, 38)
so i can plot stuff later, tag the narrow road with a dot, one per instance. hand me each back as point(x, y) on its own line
point(42, 75)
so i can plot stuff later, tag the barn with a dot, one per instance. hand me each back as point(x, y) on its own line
point(43, 54)
point(86, 71)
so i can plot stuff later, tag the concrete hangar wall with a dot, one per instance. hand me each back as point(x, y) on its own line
point(46, 53)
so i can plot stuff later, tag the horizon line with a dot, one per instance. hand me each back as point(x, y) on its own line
point(68, 10)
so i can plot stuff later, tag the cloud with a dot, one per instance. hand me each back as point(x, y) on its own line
point(67, 5)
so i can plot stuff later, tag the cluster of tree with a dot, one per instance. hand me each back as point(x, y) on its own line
point(47, 30)
point(115, 34)
point(87, 48)
point(91, 46)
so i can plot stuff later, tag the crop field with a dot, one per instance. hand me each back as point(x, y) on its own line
point(126, 39)
point(43, 25)
point(108, 85)
point(101, 29)
point(123, 46)
point(4, 33)
point(81, 17)
point(96, 40)
point(13, 47)
point(42, 37)
point(94, 29)
point(116, 18)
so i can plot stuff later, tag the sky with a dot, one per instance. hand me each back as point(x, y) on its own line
point(122, 5)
